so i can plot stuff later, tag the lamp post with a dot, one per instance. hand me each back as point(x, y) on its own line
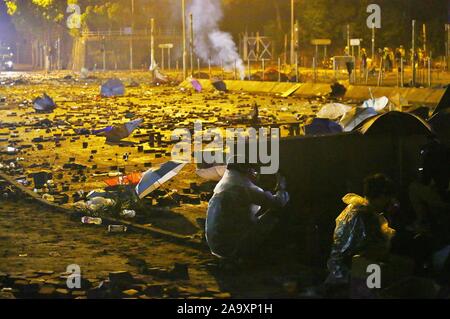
point(183, 10)
point(292, 33)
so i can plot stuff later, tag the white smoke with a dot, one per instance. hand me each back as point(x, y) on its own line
point(210, 43)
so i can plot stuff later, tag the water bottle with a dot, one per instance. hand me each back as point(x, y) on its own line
point(91, 220)
point(117, 229)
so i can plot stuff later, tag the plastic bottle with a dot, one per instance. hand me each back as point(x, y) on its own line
point(91, 220)
point(117, 229)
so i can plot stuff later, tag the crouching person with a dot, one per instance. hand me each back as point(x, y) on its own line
point(240, 214)
point(361, 229)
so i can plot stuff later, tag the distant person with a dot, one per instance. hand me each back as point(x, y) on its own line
point(240, 214)
point(255, 115)
point(398, 59)
point(364, 64)
point(362, 229)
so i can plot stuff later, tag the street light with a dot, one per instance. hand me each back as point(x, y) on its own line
point(183, 10)
point(292, 33)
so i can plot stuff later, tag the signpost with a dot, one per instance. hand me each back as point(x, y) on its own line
point(168, 47)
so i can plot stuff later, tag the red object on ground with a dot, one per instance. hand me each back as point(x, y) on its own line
point(131, 179)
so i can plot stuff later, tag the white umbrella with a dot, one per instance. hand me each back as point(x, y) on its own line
point(378, 104)
point(153, 179)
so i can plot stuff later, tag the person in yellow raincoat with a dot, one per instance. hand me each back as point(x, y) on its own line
point(361, 229)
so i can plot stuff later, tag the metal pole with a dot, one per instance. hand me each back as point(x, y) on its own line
point(314, 70)
point(235, 70)
point(292, 32)
point(209, 67)
point(104, 54)
point(131, 35)
point(348, 38)
point(413, 59)
point(429, 71)
point(152, 44)
point(183, 10)
point(263, 69)
point(162, 59)
point(279, 69)
point(59, 54)
point(373, 42)
point(170, 62)
point(249, 71)
point(402, 74)
point(191, 43)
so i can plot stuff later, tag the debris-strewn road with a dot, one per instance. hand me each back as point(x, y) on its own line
point(37, 245)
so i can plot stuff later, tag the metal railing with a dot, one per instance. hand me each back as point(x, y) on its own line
point(130, 32)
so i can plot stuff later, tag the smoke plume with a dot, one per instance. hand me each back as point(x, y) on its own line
point(210, 43)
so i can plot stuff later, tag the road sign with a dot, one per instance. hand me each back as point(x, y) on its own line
point(355, 42)
point(321, 42)
point(166, 46)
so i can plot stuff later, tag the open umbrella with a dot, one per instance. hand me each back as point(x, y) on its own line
point(153, 179)
point(333, 111)
point(112, 87)
point(355, 117)
point(119, 132)
point(44, 104)
point(378, 104)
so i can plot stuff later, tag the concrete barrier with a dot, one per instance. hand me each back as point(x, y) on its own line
point(416, 96)
point(321, 170)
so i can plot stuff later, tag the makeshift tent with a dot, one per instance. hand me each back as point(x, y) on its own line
point(444, 103)
point(395, 123)
point(440, 123)
point(333, 111)
point(119, 132)
point(322, 127)
point(44, 104)
point(153, 179)
point(112, 87)
point(355, 117)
